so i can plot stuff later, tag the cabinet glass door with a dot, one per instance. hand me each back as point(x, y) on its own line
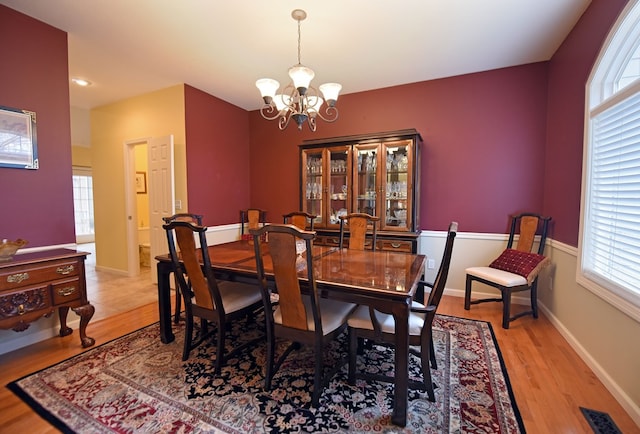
point(397, 186)
point(366, 182)
point(312, 163)
point(339, 188)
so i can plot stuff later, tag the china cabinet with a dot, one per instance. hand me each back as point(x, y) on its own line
point(375, 174)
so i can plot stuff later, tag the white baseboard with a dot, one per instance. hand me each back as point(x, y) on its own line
point(619, 394)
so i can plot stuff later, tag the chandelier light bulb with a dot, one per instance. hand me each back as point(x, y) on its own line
point(330, 91)
point(301, 77)
point(268, 88)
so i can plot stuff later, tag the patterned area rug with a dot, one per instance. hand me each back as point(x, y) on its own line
point(137, 384)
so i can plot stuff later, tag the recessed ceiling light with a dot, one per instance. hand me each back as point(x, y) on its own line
point(81, 82)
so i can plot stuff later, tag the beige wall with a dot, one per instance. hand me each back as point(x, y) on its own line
point(142, 199)
point(80, 127)
point(80, 156)
point(603, 336)
point(155, 114)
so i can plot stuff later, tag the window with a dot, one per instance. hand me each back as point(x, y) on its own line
point(83, 204)
point(609, 250)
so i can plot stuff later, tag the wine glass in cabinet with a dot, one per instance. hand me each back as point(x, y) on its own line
point(397, 186)
point(326, 176)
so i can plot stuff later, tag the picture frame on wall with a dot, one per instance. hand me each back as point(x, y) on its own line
point(141, 182)
point(18, 143)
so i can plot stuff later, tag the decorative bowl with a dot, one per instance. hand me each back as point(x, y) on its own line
point(9, 248)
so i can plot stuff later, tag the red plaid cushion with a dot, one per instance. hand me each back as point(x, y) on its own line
point(522, 263)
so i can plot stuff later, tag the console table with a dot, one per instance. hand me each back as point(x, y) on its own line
point(33, 285)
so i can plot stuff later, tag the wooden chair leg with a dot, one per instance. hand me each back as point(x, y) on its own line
point(506, 307)
point(434, 364)
point(425, 358)
point(176, 318)
point(534, 299)
point(317, 378)
point(220, 348)
point(188, 337)
point(271, 350)
point(353, 355)
point(467, 293)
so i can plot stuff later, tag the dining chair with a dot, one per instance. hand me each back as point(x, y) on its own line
point(299, 219)
point(358, 224)
point(301, 318)
point(204, 297)
point(253, 217)
point(516, 269)
point(184, 217)
point(367, 323)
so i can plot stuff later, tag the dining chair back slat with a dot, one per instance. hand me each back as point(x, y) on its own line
point(282, 248)
point(358, 224)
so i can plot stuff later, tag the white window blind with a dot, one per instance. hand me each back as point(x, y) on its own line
point(609, 244)
point(611, 247)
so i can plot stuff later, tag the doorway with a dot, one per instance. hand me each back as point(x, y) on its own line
point(150, 196)
point(83, 204)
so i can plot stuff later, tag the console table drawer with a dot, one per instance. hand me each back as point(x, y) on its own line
point(396, 245)
point(11, 279)
point(25, 302)
point(66, 291)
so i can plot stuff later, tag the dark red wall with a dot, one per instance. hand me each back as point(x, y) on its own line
point(217, 136)
point(37, 205)
point(496, 142)
point(483, 152)
point(569, 70)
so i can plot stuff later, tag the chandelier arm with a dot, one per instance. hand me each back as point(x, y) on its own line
point(284, 120)
point(265, 111)
point(312, 123)
point(331, 114)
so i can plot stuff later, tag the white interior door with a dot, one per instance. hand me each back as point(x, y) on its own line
point(161, 194)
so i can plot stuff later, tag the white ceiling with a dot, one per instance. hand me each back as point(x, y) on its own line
point(130, 47)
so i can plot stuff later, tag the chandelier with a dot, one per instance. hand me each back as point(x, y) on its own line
point(299, 100)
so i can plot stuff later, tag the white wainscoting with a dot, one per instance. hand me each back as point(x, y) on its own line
point(602, 336)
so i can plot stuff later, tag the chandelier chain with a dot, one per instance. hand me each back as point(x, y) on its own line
point(299, 39)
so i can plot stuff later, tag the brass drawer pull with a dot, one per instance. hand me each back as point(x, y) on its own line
point(21, 309)
point(66, 291)
point(67, 269)
point(17, 278)
point(396, 245)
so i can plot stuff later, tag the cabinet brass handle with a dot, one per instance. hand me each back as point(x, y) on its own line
point(395, 245)
point(17, 278)
point(66, 291)
point(21, 309)
point(67, 269)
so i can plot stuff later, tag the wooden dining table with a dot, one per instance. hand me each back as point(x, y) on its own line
point(385, 280)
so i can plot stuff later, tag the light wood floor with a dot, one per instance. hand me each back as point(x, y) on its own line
point(549, 380)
